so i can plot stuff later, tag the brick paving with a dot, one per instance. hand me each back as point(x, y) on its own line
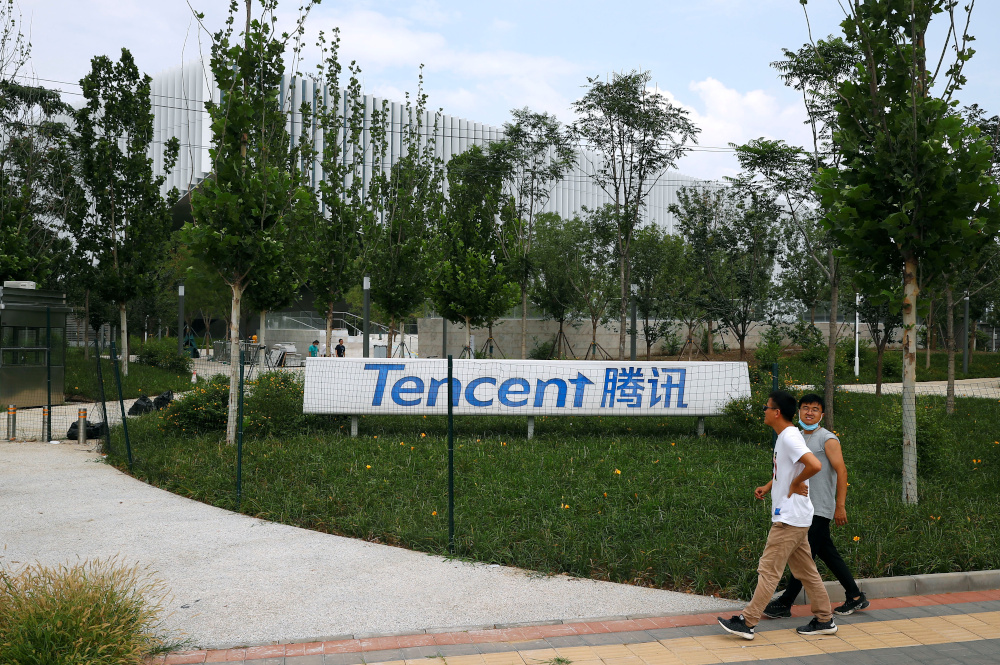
point(960, 628)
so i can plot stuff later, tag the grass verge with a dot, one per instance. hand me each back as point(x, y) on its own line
point(95, 612)
point(81, 379)
point(640, 500)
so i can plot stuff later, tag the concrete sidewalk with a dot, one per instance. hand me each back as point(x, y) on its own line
point(940, 629)
point(240, 581)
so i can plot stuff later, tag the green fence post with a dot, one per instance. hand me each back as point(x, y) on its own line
point(239, 439)
point(48, 373)
point(104, 405)
point(121, 403)
point(451, 460)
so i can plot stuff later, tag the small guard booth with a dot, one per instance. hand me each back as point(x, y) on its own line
point(32, 345)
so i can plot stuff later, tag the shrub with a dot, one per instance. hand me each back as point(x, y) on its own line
point(671, 343)
point(202, 410)
point(162, 353)
point(90, 613)
point(934, 439)
point(806, 336)
point(274, 404)
point(542, 351)
point(769, 349)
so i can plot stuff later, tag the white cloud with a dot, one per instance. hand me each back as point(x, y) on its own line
point(465, 81)
point(726, 115)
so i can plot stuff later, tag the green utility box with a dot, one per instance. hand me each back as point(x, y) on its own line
point(32, 346)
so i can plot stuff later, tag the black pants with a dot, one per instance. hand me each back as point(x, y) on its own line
point(823, 548)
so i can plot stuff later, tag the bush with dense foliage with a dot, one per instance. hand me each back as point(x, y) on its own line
point(162, 353)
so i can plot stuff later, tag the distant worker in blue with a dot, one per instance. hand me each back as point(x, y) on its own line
point(314, 348)
point(340, 349)
point(828, 492)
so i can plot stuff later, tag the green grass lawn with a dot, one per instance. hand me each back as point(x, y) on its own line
point(81, 379)
point(640, 500)
point(982, 364)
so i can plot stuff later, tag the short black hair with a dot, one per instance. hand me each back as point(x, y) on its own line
point(315, 341)
point(785, 404)
point(813, 398)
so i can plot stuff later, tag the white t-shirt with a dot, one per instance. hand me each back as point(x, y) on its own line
point(795, 510)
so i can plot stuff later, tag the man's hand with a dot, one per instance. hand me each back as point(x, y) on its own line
point(761, 491)
point(799, 487)
point(840, 516)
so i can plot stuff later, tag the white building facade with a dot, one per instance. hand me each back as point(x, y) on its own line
point(179, 96)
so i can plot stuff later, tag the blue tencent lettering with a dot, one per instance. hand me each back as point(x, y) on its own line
point(507, 391)
point(399, 388)
point(668, 386)
point(470, 391)
point(436, 384)
point(383, 370)
point(627, 385)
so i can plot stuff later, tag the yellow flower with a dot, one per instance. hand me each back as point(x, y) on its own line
point(857, 538)
point(618, 472)
point(565, 506)
point(422, 435)
point(368, 466)
point(435, 512)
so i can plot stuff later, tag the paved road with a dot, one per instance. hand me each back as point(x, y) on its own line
point(946, 629)
point(237, 580)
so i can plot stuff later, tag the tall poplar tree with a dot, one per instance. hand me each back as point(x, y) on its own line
point(247, 211)
point(129, 221)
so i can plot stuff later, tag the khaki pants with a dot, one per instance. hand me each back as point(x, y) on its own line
point(787, 544)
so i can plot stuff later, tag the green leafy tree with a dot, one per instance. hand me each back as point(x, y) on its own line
point(915, 189)
point(649, 266)
point(336, 253)
point(470, 282)
point(249, 210)
point(129, 221)
point(410, 203)
point(596, 286)
point(637, 134)
point(552, 289)
point(536, 153)
point(733, 233)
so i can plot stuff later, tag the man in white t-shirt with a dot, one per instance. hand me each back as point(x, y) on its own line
point(791, 516)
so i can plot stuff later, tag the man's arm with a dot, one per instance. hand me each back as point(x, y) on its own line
point(764, 489)
point(835, 454)
point(812, 466)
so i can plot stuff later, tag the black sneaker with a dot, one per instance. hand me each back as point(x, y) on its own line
point(777, 610)
point(817, 627)
point(852, 606)
point(737, 626)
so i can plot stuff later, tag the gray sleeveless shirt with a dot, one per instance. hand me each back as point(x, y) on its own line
point(822, 486)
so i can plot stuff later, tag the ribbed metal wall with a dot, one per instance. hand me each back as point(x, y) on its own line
point(179, 97)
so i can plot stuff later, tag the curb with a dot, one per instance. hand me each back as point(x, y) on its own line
point(914, 585)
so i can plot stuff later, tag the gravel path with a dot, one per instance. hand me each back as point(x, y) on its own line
point(237, 580)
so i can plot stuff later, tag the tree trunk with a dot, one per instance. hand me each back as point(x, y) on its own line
point(623, 308)
point(234, 363)
point(524, 322)
point(880, 351)
point(949, 321)
point(831, 352)
point(262, 330)
point(973, 328)
point(392, 334)
point(86, 325)
point(910, 292)
point(743, 348)
point(329, 330)
point(711, 341)
point(930, 333)
point(123, 350)
point(812, 315)
point(468, 337)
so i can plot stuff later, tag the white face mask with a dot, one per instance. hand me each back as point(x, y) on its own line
point(808, 428)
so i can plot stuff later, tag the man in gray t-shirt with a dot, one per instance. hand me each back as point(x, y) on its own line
point(828, 492)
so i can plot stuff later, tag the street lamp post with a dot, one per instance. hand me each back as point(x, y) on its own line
point(367, 313)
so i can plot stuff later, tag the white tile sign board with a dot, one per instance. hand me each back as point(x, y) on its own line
point(393, 386)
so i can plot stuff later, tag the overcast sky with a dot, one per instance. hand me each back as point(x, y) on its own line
point(483, 59)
